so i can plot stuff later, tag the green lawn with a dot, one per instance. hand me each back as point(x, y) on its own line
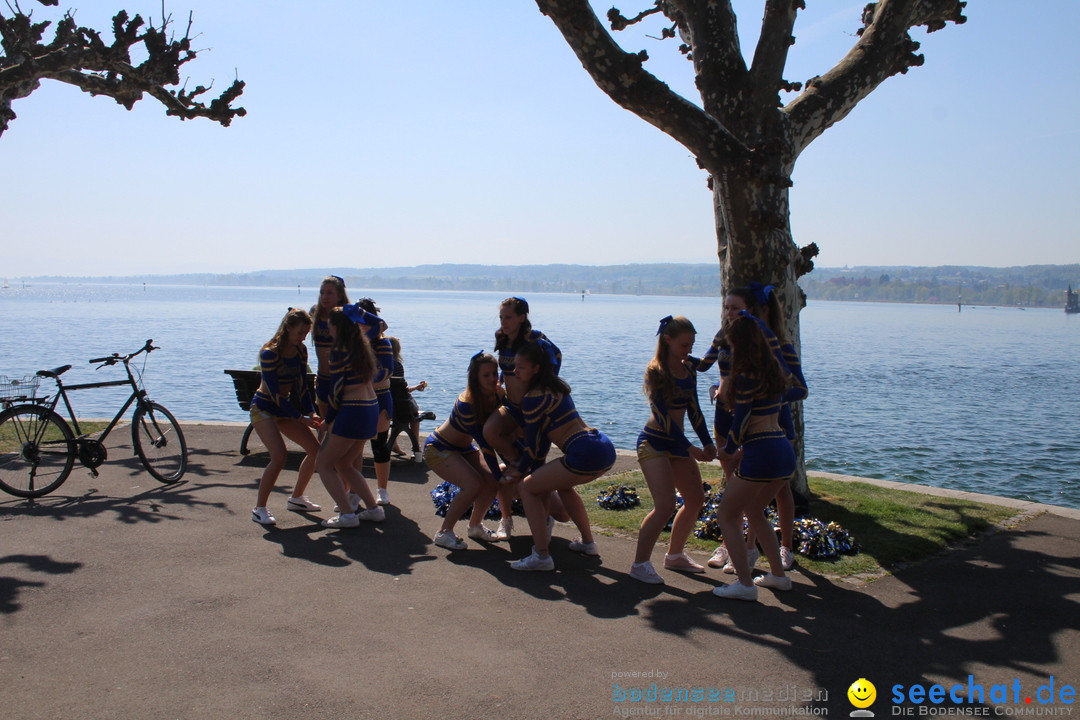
point(893, 527)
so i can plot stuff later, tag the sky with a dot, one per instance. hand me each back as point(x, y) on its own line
point(424, 131)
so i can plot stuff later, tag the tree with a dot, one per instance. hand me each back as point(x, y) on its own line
point(78, 56)
point(742, 134)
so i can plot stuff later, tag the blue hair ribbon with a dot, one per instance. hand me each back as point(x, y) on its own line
point(524, 304)
point(663, 324)
point(761, 292)
point(339, 279)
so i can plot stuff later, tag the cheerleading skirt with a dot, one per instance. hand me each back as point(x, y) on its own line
point(588, 453)
point(766, 457)
point(357, 419)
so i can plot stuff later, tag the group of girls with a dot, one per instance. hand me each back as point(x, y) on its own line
point(515, 406)
point(760, 375)
point(351, 406)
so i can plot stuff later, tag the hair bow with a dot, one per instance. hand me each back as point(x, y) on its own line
point(524, 305)
point(761, 292)
point(339, 279)
point(663, 324)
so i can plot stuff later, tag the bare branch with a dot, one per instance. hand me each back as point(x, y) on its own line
point(78, 56)
point(884, 48)
point(621, 76)
point(770, 56)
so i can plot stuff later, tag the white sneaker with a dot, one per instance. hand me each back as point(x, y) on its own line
point(787, 558)
point(303, 504)
point(375, 514)
point(646, 573)
point(479, 532)
point(534, 563)
point(504, 530)
point(719, 557)
point(751, 558)
point(736, 591)
point(354, 502)
point(383, 496)
point(447, 539)
point(581, 546)
point(343, 520)
point(262, 516)
point(771, 581)
point(418, 456)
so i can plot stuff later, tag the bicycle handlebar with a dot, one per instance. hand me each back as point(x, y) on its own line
point(117, 357)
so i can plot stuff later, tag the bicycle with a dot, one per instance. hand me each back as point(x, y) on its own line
point(38, 448)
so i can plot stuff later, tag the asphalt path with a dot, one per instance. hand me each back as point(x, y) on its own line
point(124, 598)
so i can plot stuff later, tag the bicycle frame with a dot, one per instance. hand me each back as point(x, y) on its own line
point(62, 393)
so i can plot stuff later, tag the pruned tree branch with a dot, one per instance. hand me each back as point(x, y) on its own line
point(771, 53)
point(78, 56)
point(884, 48)
point(621, 76)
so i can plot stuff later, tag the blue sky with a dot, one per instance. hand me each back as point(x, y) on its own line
point(383, 134)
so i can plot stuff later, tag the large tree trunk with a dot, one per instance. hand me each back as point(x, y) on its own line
point(754, 244)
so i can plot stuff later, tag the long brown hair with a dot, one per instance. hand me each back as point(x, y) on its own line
point(294, 317)
point(318, 312)
point(659, 382)
point(482, 404)
point(350, 339)
point(520, 307)
point(752, 358)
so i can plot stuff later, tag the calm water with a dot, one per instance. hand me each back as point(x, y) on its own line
point(983, 400)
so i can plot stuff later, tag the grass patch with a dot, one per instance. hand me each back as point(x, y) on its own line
point(893, 527)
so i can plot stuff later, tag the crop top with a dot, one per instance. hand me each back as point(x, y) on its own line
point(684, 398)
point(464, 419)
point(287, 377)
point(750, 403)
point(543, 411)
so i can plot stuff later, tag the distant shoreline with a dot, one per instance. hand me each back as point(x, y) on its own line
point(1036, 286)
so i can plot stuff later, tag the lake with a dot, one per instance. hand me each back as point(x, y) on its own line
point(984, 400)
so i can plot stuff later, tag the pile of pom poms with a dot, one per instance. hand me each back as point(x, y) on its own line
point(443, 494)
point(618, 497)
point(813, 538)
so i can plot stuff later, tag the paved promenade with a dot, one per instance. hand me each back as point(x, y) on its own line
point(122, 598)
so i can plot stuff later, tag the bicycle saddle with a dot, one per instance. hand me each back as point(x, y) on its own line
point(55, 372)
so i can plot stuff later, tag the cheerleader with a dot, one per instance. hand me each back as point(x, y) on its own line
point(550, 417)
point(353, 417)
point(668, 460)
point(503, 428)
point(761, 451)
point(454, 450)
point(283, 365)
point(331, 295)
point(384, 356)
point(762, 302)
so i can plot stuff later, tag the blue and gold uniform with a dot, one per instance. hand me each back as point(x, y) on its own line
point(767, 455)
point(464, 419)
point(667, 439)
point(320, 337)
point(354, 418)
point(587, 453)
point(285, 379)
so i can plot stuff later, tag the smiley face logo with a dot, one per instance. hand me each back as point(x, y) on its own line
point(862, 693)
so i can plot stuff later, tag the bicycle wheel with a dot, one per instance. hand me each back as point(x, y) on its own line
point(159, 442)
point(37, 451)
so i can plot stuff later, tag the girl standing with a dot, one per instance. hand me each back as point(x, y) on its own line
point(550, 417)
point(353, 417)
point(331, 295)
point(761, 451)
point(668, 460)
point(384, 357)
point(283, 364)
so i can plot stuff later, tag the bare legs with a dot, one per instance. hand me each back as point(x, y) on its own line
point(742, 497)
point(272, 433)
point(664, 476)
